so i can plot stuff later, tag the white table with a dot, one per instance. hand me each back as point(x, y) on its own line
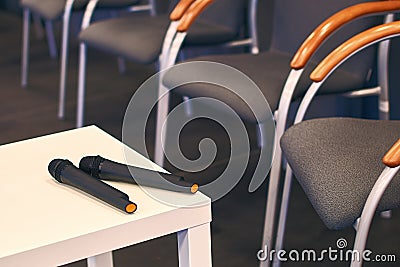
point(44, 223)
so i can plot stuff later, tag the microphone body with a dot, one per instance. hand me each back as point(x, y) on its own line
point(65, 172)
point(102, 168)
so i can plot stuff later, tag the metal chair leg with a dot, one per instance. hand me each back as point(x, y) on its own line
point(38, 26)
point(25, 49)
point(274, 177)
point(50, 39)
point(188, 106)
point(280, 234)
point(162, 113)
point(82, 65)
point(81, 86)
point(261, 136)
point(64, 59)
point(273, 188)
point(369, 211)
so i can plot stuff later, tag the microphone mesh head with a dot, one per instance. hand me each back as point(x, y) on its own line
point(91, 165)
point(56, 166)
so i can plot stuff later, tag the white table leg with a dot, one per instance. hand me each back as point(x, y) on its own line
point(194, 246)
point(102, 260)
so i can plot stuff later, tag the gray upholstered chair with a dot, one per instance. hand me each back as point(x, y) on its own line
point(338, 161)
point(282, 77)
point(140, 39)
point(130, 5)
point(51, 10)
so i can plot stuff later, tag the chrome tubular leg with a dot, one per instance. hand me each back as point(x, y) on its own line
point(81, 86)
point(369, 210)
point(64, 58)
point(273, 186)
point(38, 26)
point(162, 113)
point(50, 39)
point(25, 49)
point(280, 234)
point(188, 106)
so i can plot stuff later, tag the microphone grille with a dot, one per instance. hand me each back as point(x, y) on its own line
point(91, 165)
point(56, 166)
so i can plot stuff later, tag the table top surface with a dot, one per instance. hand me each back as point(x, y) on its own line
point(37, 211)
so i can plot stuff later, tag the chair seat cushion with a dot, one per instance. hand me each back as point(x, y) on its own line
point(53, 9)
point(269, 70)
point(140, 38)
point(116, 3)
point(136, 38)
point(205, 33)
point(337, 162)
point(50, 9)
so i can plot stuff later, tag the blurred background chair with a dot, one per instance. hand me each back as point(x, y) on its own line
point(338, 161)
point(282, 81)
point(140, 39)
point(52, 10)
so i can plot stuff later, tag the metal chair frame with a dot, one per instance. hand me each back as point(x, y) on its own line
point(88, 14)
point(301, 58)
point(164, 60)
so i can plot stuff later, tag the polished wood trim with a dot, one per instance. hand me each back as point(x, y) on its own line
point(322, 32)
point(392, 157)
point(352, 45)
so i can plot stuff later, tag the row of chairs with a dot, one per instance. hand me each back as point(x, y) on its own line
point(53, 10)
point(331, 158)
point(136, 38)
point(343, 146)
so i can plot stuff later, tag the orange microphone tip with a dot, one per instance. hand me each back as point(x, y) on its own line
point(194, 188)
point(130, 208)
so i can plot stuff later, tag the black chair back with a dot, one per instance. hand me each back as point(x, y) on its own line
point(294, 20)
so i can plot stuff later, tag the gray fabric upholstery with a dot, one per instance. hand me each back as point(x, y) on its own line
point(337, 162)
point(294, 20)
point(53, 9)
point(233, 16)
point(269, 71)
point(116, 3)
point(140, 38)
point(203, 32)
point(48, 9)
point(136, 38)
point(227, 13)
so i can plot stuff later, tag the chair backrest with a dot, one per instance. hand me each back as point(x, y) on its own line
point(234, 13)
point(295, 20)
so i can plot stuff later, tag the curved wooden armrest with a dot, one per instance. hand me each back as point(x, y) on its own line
point(352, 45)
point(334, 22)
point(180, 9)
point(392, 157)
point(192, 13)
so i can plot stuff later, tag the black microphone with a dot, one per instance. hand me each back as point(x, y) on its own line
point(65, 172)
point(102, 168)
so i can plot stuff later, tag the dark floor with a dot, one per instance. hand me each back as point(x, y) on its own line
point(237, 218)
